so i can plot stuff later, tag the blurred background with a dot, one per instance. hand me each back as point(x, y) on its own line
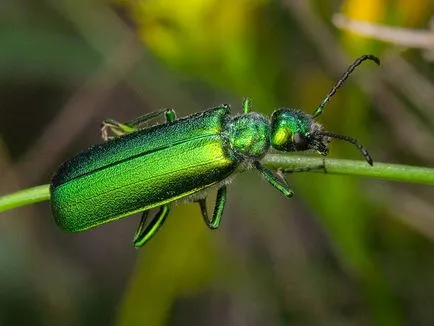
point(343, 251)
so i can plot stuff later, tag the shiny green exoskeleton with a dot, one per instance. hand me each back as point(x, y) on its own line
point(142, 168)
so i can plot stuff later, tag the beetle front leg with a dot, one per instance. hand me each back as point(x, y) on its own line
point(145, 232)
point(277, 182)
point(214, 223)
point(247, 105)
point(119, 128)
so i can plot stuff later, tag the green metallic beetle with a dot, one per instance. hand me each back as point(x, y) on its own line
point(142, 168)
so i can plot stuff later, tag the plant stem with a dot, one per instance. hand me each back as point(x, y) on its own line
point(24, 197)
point(387, 171)
point(394, 172)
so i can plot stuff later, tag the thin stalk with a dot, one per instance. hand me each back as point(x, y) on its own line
point(386, 171)
point(25, 197)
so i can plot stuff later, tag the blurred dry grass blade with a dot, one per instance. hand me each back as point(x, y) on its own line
point(291, 262)
point(52, 275)
point(91, 20)
point(405, 127)
point(120, 50)
point(88, 100)
point(319, 34)
point(10, 180)
point(405, 37)
point(412, 84)
point(325, 42)
point(416, 134)
point(410, 209)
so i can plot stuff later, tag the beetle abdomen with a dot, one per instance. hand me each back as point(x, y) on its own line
point(140, 171)
point(141, 183)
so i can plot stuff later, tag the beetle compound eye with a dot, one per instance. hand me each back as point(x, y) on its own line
point(281, 136)
point(300, 142)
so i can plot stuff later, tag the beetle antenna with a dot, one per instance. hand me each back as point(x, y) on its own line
point(340, 82)
point(351, 140)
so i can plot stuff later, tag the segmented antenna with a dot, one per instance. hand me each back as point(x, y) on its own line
point(351, 140)
point(346, 74)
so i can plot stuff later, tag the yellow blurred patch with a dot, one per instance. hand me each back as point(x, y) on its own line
point(407, 13)
point(367, 10)
point(192, 30)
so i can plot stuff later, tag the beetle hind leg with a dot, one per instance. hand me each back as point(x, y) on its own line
point(146, 231)
point(214, 223)
point(115, 128)
point(111, 128)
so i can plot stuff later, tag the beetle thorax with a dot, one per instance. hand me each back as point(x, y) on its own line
point(248, 136)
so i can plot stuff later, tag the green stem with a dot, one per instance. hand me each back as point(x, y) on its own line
point(25, 197)
point(387, 171)
point(395, 172)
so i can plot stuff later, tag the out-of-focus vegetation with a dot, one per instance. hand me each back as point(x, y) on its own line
point(343, 251)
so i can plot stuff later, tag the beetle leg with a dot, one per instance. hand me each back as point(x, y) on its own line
point(277, 182)
point(247, 105)
point(214, 223)
point(145, 232)
point(119, 129)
